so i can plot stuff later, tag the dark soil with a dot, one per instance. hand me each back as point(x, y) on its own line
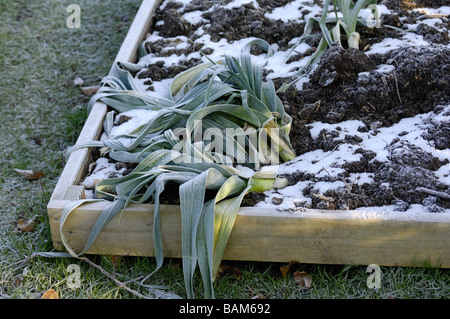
point(240, 23)
point(247, 21)
point(412, 4)
point(337, 91)
point(158, 71)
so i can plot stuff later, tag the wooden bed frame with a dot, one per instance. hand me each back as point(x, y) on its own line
point(259, 234)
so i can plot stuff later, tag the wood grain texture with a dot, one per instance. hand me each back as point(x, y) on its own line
point(307, 237)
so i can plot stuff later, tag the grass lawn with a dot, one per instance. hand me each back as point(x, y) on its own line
point(42, 113)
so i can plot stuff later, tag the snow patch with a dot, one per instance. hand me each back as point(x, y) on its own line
point(103, 170)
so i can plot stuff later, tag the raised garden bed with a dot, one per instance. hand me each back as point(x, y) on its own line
point(370, 131)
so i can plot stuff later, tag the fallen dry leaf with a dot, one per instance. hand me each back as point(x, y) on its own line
point(230, 271)
point(303, 279)
point(256, 296)
point(89, 90)
point(50, 294)
point(24, 225)
point(115, 259)
point(285, 268)
point(259, 296)
point(29, 174)
point(78, 81)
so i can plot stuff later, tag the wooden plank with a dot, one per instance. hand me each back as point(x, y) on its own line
point(75, 193)
point(78, 160)
point(128, 234)
point(339, 238)
point(307, 237)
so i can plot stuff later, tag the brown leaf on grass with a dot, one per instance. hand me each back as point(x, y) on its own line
point(259, 296)
point(50, 294)
point(285, 268)
point(256, 296)
point(78, 81)
point(25, 226)
point(29, 174)
point(229, 271)
point(115, 259)
point(89, 90)
point(303, 279)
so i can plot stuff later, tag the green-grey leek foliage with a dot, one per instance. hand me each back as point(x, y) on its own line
point(347, 23)
point(227, 94)
point(239, 100)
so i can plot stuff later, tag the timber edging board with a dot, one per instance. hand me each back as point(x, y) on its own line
point(310, 236)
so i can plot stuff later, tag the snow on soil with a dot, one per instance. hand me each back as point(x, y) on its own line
point(330, 163)
point(316, 162)
point(102, 169)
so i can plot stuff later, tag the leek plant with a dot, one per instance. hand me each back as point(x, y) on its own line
point(224, 96)
point(229, 94)
point(206, 224)
point(350, 18)
point(347, 22)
